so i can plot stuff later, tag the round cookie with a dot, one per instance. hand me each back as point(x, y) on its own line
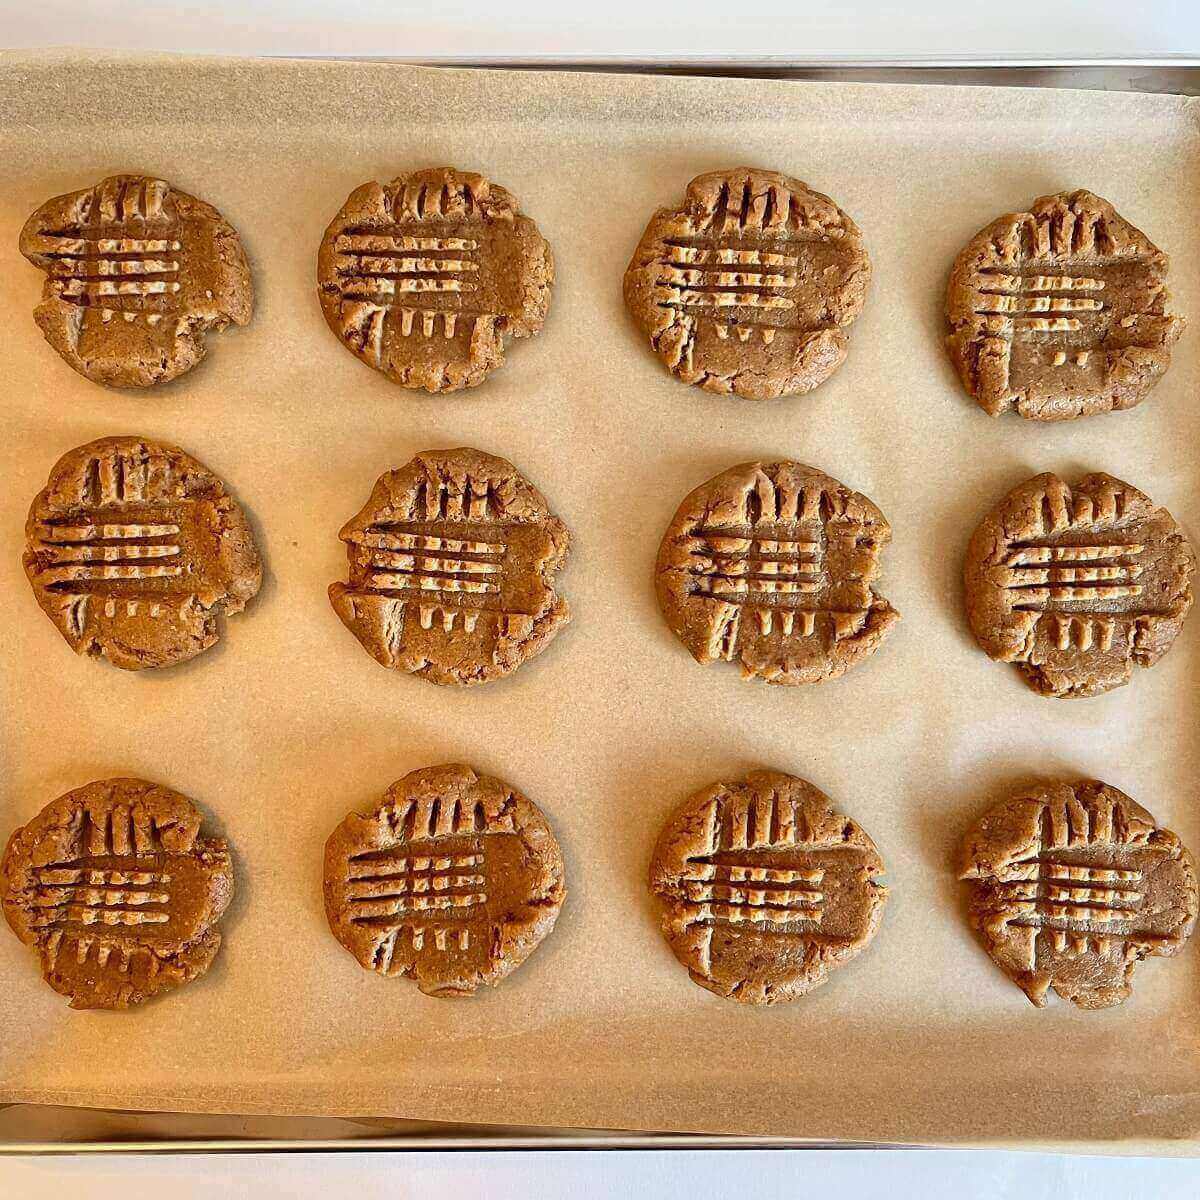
point(452, 567)
point(772, 564)
point(135, 550)
point(426, 278)
point(118, 893)
point(452, 881)
point(1077, 584)
point(1060, 312)
point(1073, 884)
point(750, 285)
point(765, 887)
point(137, 274)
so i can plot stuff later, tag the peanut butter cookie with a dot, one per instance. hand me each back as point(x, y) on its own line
point(1077, 584)
point(749, 286)
point(452, 568)
point(765, 887)
point(771, 564)
point(1061, 311)
point(453, 881)
point(1072, 885)
point(427, 277)
point(118, 893)
point(137, 274)
point(136, 551)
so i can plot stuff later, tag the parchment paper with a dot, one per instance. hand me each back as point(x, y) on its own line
point(289, 724)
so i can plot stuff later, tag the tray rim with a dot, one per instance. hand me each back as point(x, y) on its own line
point(1172, 69)
point(799, 62)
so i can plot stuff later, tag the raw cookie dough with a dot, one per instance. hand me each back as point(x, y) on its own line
point(137, 274)
point(427, 277)
point(452, 881)
point(765, 887)
point(751, 285)
point(1061, 311)
point(1073, 884)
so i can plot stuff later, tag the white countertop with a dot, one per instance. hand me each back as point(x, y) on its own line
point(566, 1175)
point(551, 28)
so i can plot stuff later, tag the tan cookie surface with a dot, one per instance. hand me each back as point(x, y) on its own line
point(118, 893)
point(452, 881)
point(750, 285)
point(452, 569)
point(1061, 311)
point(770, 564)
point(427, 277)
point(1073, 884)
point(137, 274)
point(1077, 584)
point(135, 551)
point(765, 887)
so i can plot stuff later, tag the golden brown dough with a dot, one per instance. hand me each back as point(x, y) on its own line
point(137, 274)
point(427, 277)
point(1061, 311)
point(765, 887)
point(1072, 885)
point(452, 881)
point(750, 285)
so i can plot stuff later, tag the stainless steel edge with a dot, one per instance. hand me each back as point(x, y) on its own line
point(1175, 74)
point(46, 1129)
point(756, 62)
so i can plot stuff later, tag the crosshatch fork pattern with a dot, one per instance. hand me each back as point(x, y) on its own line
point(118, 881)
point(1060, 312)
point(429, 887)
point(771, 564)
point(117, 892)
point(1077, 583)
point(427, 277)
point(415, 282)
point(765, 887)
point(99, 266)
point(137, 275)
point(452, 881)
point(448, 563)
point(1072, 885)
point(135, 550)
point(750, 284)
point(451, 568)
point(774, 565)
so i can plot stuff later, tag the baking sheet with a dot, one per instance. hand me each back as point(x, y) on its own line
point(288, 724)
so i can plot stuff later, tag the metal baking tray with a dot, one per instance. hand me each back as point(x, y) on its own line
point(51, 1129)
